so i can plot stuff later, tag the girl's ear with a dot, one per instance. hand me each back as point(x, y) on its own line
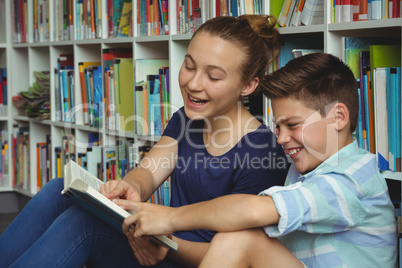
point(250, 86)
point(341, 114)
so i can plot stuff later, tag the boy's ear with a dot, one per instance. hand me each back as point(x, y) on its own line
point(341, 114)
point(250, 86)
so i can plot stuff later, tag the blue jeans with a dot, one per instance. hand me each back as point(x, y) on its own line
point(53, 232)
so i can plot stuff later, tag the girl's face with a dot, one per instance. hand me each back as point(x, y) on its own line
point(210, 77)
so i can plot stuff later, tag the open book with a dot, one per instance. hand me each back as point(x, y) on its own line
point(84, 189)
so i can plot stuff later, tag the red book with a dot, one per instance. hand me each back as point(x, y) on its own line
point(363, 10)
point(356, 7)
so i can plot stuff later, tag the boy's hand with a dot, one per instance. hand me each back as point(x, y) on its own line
point(120, 188)
point(149, 219)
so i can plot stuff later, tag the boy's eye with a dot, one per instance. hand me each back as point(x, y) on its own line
point(292, 124)
point(276, 131)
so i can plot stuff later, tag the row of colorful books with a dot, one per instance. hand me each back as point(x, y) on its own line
point(72, 20)
point(110, 162)
point(143, 108)
point(65, 88)
point(19, 29)
point(3, 91)
point(190, 14)
point(43, 162)
point(152, 17)
point(362, 10)
point(298, 12)
point(376, 66)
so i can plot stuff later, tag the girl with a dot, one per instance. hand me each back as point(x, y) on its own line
point(211, 147)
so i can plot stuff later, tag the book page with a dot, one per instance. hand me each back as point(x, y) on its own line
point(73, 171)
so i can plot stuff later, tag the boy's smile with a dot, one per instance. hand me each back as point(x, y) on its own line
point(306, 137)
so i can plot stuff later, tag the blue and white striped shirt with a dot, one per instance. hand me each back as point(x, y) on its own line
point(338, 215)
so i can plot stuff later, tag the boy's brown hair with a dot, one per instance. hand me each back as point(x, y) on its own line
point(318, 80)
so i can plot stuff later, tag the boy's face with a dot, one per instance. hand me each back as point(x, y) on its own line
point(307, 138)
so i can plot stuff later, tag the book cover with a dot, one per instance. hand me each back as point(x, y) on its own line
point(125, 93)
point(142, 69)
point(84, 189)
point(84, 97)
point(381, 117)
point(385, 56)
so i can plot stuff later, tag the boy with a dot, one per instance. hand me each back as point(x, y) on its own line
point(334, 210)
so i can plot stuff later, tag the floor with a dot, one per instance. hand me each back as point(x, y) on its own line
point(5, 220)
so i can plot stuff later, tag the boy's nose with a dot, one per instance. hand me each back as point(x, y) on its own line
point(283, 137)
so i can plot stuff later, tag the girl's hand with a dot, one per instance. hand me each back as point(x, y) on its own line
point(146, 252)
point(149, 219)
point(120, 189)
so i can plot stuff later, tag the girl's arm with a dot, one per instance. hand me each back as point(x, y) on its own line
point(226, 213)
point(153, 170)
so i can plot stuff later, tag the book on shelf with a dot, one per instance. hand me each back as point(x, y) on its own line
point(296, 52)
point(152, 17)
point(43, 162)
point(125, 22)
point(296, 45)
point(276, 8)
point(111, 83)
point(155, 88)
point(301, 12)
point(372, 61)
point(65, 63)
point(4, 158)
point(3, 91)
point(364, 10)
point(21, 174)
point(41, 26)
point(124, 93)
point(85, 91)
point(84, 189)
point(19, 18)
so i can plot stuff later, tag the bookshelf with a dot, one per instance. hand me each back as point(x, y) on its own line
point(22, 59)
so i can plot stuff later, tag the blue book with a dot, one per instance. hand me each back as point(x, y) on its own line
point(5, 87)
point(70, 77)
point(396, 110)
point(64, 90)
point(98, 93)
point(88, 74)
point(366, 112)
point(166, 194)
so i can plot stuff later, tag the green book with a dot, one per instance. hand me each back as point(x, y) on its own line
point(385, 56)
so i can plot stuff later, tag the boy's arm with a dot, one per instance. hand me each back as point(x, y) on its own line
point(226, 213)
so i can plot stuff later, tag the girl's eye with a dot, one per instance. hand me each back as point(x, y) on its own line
point(189, 68)
point(212, 78)
point(292, 125)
